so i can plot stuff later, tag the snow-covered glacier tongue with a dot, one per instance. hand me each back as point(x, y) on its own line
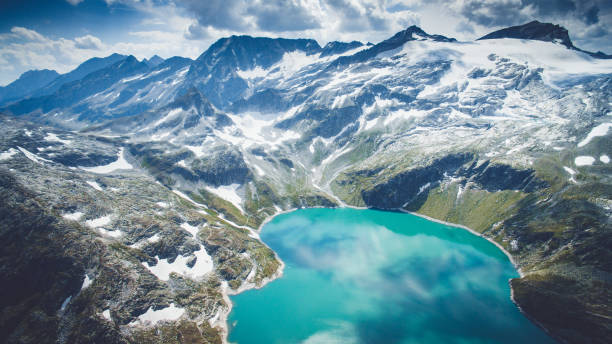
point(147, 181)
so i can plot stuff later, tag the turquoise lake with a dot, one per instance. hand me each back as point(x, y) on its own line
point(368, 276)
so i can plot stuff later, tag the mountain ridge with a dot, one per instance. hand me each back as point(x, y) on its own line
point(547, 32)
point(22, 86)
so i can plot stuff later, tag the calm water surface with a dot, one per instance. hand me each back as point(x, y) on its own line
point(367, 276)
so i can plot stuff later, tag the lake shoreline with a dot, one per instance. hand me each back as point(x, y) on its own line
point(223, 319)
point(518, 269)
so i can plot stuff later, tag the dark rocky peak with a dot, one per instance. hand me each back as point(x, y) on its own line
point(214, 73)
point(546, 32)
point(120, 69)
point(193, 98)
point(413, 33)
point(335, 48)
point(246, 52)
point(534, 30)
point(154, 61)
point(92, 65)
point(173, 63)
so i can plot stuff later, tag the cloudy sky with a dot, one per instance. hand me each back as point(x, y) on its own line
point(60, 34)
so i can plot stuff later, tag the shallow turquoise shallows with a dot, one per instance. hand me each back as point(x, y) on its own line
point(367, 276)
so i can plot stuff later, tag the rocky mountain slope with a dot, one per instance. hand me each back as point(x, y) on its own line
point(156, 177)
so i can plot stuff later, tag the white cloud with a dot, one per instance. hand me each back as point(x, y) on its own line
point(22, 32)
point(74, 2)
point(88, 42)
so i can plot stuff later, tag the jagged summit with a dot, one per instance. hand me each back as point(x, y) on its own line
point(193, 97)
point(534, 30)
point(335, 47)
point(415, 33)
point(154, 61)
point(246, 51)
point(412, 33)
point(225, 56)
point(539, 31)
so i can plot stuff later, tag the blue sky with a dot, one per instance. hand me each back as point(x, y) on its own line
point(60, 34)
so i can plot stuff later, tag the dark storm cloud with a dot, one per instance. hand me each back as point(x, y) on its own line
point(244, 15)
point(356, 20)
point(592, 15)
point(465, 28)
point(492, 12)
point(512, 12)
point(196, 31)
point(220, 14)
point(282, 16)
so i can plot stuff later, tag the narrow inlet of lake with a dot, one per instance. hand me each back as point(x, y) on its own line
point(367, 276)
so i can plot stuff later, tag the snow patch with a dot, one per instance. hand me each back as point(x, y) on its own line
point(370, 124)
point(292, 62)
point(254, 73)
point(152, 317)
point(604, 158)
point(255, 128)
point(162, 204)
point(193, 230)
point(600, 130)
point(228, 193)
point(423, 188)
point(187, 198)
point(99, 222)
point(155, 238)
point(569, 170)
point(113, 234)
point(197, 150)
point(584, 160)
point(170, 114)
point(65, 303)
point(76, 216)
point(403, 114)
point(342, 101)
point(94, 185)
point(106, 314)
point(53, 138)
point(8, 154)
point(163, 268)
point(86, 282)
point(33, 156)
point(259, 170)
point(119, 164)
